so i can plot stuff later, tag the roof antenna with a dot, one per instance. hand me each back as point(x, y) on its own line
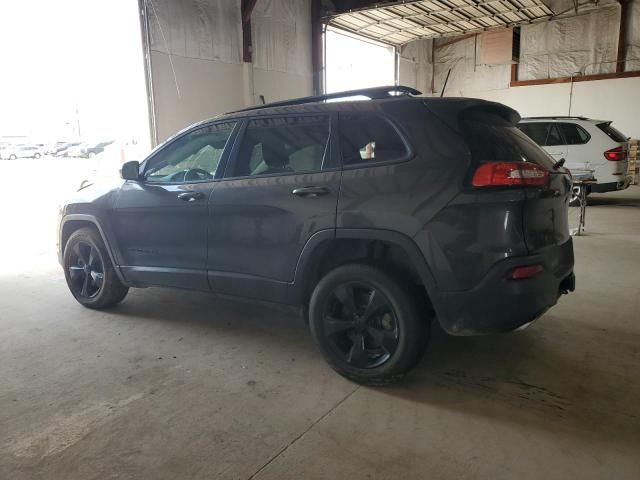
point(445, 83)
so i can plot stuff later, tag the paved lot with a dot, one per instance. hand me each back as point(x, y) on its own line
point(177, 385)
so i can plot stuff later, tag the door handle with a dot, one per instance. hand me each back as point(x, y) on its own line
point(191, 196)
point(310, 191)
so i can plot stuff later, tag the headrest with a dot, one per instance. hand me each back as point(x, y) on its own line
point(273, 157)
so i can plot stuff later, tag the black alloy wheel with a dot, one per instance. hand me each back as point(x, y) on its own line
point(369, 323)
point(360, 325)
point(86, 270)
point(90, 275)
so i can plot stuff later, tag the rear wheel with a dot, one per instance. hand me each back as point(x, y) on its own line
point(12, 157)
point(37, 155)
point(367, 324)
point(89, 272)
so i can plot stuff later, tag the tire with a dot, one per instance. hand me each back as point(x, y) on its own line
point(36, 156)
point(91, 155)
point(89, 272)
point(367, 324)
point(12, 157)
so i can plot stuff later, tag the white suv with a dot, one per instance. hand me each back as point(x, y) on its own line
point(585, 144)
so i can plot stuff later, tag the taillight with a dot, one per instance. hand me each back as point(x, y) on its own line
point(526, 271)
point(497, 174)
point(614, 155)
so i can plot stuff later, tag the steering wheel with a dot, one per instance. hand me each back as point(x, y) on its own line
point(190, 175)
point(195, 174)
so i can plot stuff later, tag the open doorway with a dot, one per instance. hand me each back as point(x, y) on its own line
point(74, 108)
point(357, 63)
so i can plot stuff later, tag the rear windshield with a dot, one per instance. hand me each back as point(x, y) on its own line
point(613, 133)
point(491, 138)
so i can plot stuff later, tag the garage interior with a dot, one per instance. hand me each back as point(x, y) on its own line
point(176, 384)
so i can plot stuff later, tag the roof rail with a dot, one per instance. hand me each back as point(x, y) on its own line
point(373, 93)
point(553, 117)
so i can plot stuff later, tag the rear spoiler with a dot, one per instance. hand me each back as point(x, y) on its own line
point(449, 110)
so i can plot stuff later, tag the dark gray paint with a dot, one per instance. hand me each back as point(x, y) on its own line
point(252, 237)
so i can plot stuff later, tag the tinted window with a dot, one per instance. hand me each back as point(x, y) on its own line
point(613, 133)
point(369, 138)
point(193, 157)
point(574, 134)
point(536, 131)
point(554, 137)
point(493, 139)
point(282, 145)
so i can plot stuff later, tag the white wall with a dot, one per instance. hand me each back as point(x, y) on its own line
point(616, 99)
point(281, 32)
point(550, 49)
point(196, 58)
point(206, 88)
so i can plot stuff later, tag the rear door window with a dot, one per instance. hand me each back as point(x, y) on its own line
point(545, 134)
point(613, 133)
point(282, 145)
point(574, 134)
point(554, 137)
point(367, 138)
point(491, 138)
point(536, 131)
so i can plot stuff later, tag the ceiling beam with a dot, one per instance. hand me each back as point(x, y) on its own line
point(459, 9)
point(317, 53)
point(622, 35)
point(246, 8)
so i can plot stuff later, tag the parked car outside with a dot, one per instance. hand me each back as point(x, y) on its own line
point(585, 144)
point(90, 150)
point(376, 217)
point(23, 151)
point(67, 149)
point(56, 147)
point(87, 150)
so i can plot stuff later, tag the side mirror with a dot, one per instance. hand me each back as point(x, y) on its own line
point(130, 170)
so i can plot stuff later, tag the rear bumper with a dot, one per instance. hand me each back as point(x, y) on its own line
point(499, 304)
point(611, 186)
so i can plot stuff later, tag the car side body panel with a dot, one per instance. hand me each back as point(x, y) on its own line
point(251, 237)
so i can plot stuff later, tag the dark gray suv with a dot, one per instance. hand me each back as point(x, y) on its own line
point(374, 216)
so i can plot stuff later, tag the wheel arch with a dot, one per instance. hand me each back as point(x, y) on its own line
point(73, 222)
point(329, 249)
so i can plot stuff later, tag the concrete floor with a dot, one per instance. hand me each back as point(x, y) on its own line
point(180, 385)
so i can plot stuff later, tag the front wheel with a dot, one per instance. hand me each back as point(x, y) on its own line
point(36, 156)
point(367, 324)
point(12, 157)
point(89, 272)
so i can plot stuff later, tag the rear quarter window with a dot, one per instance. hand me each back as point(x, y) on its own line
point(369, 138)
point(574, 134)
point(491, 138)
point(613, 133)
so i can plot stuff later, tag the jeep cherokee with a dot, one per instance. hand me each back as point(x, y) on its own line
point(374, 216)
